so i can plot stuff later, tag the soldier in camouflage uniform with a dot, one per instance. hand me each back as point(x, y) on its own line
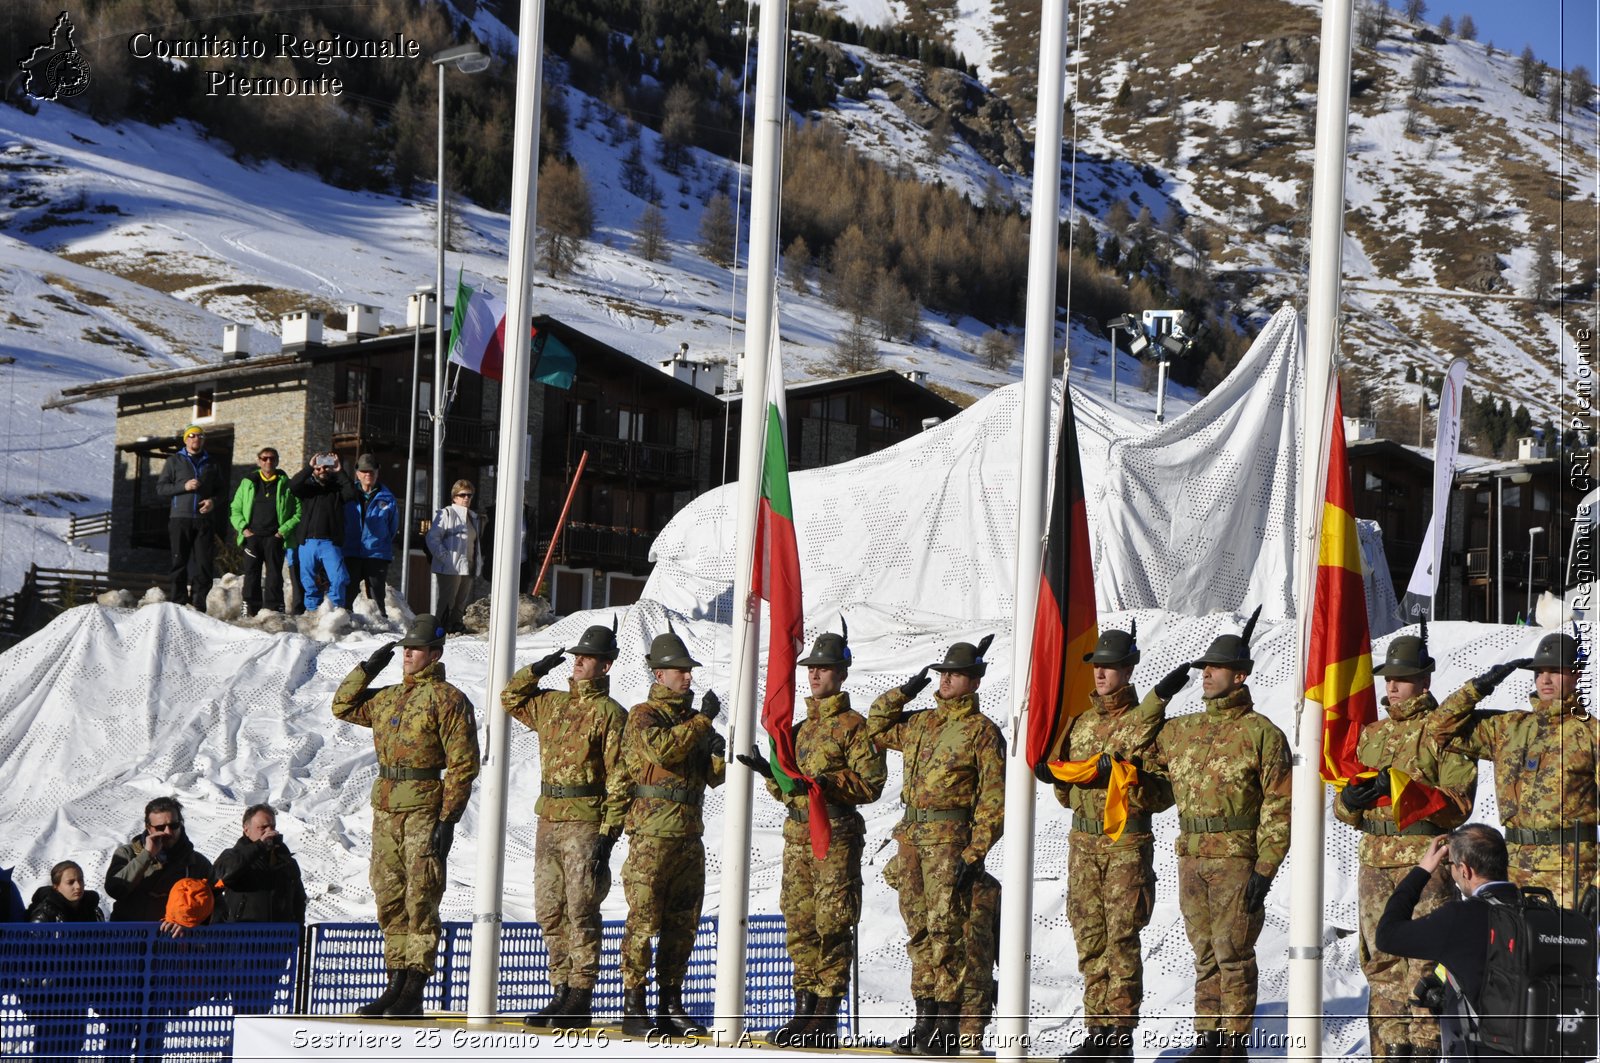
point(422, 729)
point(821, 899)
point(1111, 885)
point(1229, 768)
point(670, 754)
point(981, 944)
point(580, 741)
point(1396, 1030)
point(954, 791)
point(1545, 765)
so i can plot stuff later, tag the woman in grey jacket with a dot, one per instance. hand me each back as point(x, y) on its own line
point(454, 543)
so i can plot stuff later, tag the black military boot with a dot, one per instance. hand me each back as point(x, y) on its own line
point(552, 1011)
point(669, 1012)
point(376, 1009)
point(941, 1039)
point(822, 1029)
point(1424, 1054)
point(907, 1044)
point(635, 1021)
point(1119, 1043)
point(1233, 1046)
point(408, 1001)
point(577, 1011)
point(1207, 1044)
point(805, 1002)
point(1398, 1052)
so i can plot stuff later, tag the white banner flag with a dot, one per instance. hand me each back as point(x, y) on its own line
point(1424, 583)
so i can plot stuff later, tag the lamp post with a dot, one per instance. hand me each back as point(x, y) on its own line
point(420, 298)
point(1531, 533)
point(469, 59)
point(1519, 478)
point(1127, 322)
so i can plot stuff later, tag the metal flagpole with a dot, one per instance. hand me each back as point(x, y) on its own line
point(489, 884)
point(1016, 914)
point(1320, 339)
point(761, 351)
point(422, 297)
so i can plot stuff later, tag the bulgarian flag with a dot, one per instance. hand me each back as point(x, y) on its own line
point(776, 578)
point(1064, 627)
point(1339, 655)
point(478, 340)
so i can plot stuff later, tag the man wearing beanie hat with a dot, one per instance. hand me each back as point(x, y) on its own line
point(1545, 766)
point(1229, 768)
point(1400, 743)
point(580, 743)
point(426, 737)
point(954, 792)
point(1111, 882)
point(371, 522)
point(670, 755)
point(821, 898)
point(194, 482)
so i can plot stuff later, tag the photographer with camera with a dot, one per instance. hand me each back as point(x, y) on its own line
point(260, 876)
point(323, 489)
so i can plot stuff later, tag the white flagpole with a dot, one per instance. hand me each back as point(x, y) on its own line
point(1320, 339)
point(761, 351)
point(488, 900)
point(1016, 913)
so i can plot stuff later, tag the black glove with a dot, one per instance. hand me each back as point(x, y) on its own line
point(710, 705)
point(1041, 771)
point(755, 762)
point(1589, 904)
point(444, 835)
point(1255, 892)
point(1496, 675)
point(545, 665)
point(969, 875)
point(600, 858)
point(719, 746)
point(1102, 769)
point(379, 660)
point(915, 685)
point(1173, 682)
point(1365, 793)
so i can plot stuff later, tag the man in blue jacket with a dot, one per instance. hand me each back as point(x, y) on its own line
point(370, 524)
point(194, 482)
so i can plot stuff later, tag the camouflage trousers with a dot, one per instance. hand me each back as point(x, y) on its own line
point(565, 900)
point(664, 881)
point(982, 945)
point(1555, 867)
point(935, 914)
point(1111, 891)
point(407, 883)
point(1223, 935)
point(1390, 979)
point(821, 905)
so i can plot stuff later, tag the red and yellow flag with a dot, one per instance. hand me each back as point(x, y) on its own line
point(1411, 801)
point(1339, 657)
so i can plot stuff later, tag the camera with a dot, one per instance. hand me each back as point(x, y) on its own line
point(325, 461)
point(1429, 993)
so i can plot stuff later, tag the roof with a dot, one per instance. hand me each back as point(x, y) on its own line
point(887, 378)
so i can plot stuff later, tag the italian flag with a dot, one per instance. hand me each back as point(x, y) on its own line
point(478, 331)
point(776, 578)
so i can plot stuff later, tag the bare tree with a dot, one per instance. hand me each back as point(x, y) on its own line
point(1553, 99)
point(797, 264)
point(650, 239)
point(566, 214)
point(1580, 88)
point(893, 308)
point(854, 351)
point(1544, 270)
point(1368, 28)
point(717, 230)
point(1530, 73)
point(1466, 29)
point(996, 350)
point(1447, 27)
point(1415, 9)
point(677, 126)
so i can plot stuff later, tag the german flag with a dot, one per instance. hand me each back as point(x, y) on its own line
point(1339, 656)
point(1064, 627)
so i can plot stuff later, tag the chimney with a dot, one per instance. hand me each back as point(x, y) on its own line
point(302, 328)
point(424, 300)
point(361, 322)
point(929, 422)
point(1529, 449)
point(707, 376)
point(1356, 428)
point(235, 341)
point(916, 376)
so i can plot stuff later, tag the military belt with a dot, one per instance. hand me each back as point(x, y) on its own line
point(592, 789)
point(1217, 824)
point(1578, 832)
point(938, 815)
point(1388, 829)
point(800, 815)
point(404, 774)
point(1096, 825)
point(682, 795)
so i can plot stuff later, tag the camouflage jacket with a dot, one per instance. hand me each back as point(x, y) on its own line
point(1544, 761)
point(954, 757)
point(1121, 724)
point(1228, 762)
point(1403, 741)
point(580, 739)
point(831, 745)
point(667, 744)
point(423, 722)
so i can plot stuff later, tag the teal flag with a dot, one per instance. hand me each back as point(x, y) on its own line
point(553, 362)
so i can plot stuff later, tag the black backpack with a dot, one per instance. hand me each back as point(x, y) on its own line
point(1538, 993)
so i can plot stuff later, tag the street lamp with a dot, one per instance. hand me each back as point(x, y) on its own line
point(1128, 323)
point(1519, 477)
point(1531, 533)
point(469, 59)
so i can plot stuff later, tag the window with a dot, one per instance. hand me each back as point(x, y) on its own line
point(631, 424)
point(205, 404)
point(1374, 482)
point(877, 417)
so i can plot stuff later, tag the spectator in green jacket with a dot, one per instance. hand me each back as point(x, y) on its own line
point(265, 514)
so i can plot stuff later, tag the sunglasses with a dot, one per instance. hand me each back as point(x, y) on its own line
point(267, 457)
point(463, 494)
point(163, 828)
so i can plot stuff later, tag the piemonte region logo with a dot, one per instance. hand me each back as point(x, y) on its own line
point(57, 70)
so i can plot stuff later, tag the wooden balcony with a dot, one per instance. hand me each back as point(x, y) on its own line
point(622, 458)
point(600, 546)
point(368, 426)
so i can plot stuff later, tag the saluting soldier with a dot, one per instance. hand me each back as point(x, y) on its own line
point(1229, 768)
point(954, 791)
point(1111, 884)
point(670, 754)
point(821, 899)
point(580, 743)
point(427, 743)
point(1401, 743)
point(1545, 766)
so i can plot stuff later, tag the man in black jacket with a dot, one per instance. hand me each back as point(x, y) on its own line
point(194, 482)
point(1456, 933)
point(323, 488)
point(144, 870)
point(260, 876)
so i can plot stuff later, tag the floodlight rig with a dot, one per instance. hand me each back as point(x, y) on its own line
point(1169, 333)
